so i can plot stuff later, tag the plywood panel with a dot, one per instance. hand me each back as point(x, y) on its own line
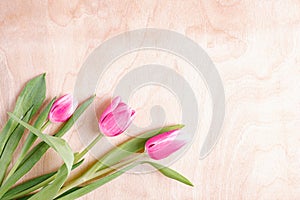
point(253, 44)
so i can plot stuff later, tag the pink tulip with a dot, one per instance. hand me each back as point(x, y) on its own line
point(116, 118)
point(62, 109)
point(163, 145)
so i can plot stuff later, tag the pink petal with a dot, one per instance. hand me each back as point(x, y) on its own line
point(116, 118)
point(114, 103)
point(62, 109)
point(163, 145)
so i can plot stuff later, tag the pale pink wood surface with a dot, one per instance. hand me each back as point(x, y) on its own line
point(254, 45)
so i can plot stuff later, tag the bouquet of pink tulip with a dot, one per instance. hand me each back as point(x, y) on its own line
point(153, 145)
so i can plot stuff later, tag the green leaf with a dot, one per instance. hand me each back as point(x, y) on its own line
point(38, 151)
point(38, 124)
point(31, 138)
point(50, 191)
point(12, 194)
point(131, 146)
point(11, 146)
point(25, 198)
point(59, 145)
point(80, 191)
point(68, 192)
point(65, 152)
point(33, 96)
point(170, 173)
point(33, 184)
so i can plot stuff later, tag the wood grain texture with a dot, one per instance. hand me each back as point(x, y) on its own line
point(255, 46)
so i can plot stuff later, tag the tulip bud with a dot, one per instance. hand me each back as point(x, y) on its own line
point(62, 109)
point(116, 118)
point(163, 145)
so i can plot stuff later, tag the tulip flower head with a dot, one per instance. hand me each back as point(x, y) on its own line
point(62, 109)
point(116, 118)
point(163, 145)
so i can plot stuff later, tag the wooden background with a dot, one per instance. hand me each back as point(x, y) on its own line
point(255, 46)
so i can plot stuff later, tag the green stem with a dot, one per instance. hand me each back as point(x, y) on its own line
point(118, 166)
point(90, 176)
point(45, 125)
point(80, 155)
point(79, 192)
point(28, 143)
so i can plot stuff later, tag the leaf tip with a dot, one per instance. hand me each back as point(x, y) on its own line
point(42, 76)
point(92, 97)
point(190, 184)
point(181, 126)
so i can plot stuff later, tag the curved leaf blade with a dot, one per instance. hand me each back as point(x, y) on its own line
point(59, 145)
point(32, 96)
point(170, 173)
point(11, 146)
point(31, 138)
point(65, 152)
